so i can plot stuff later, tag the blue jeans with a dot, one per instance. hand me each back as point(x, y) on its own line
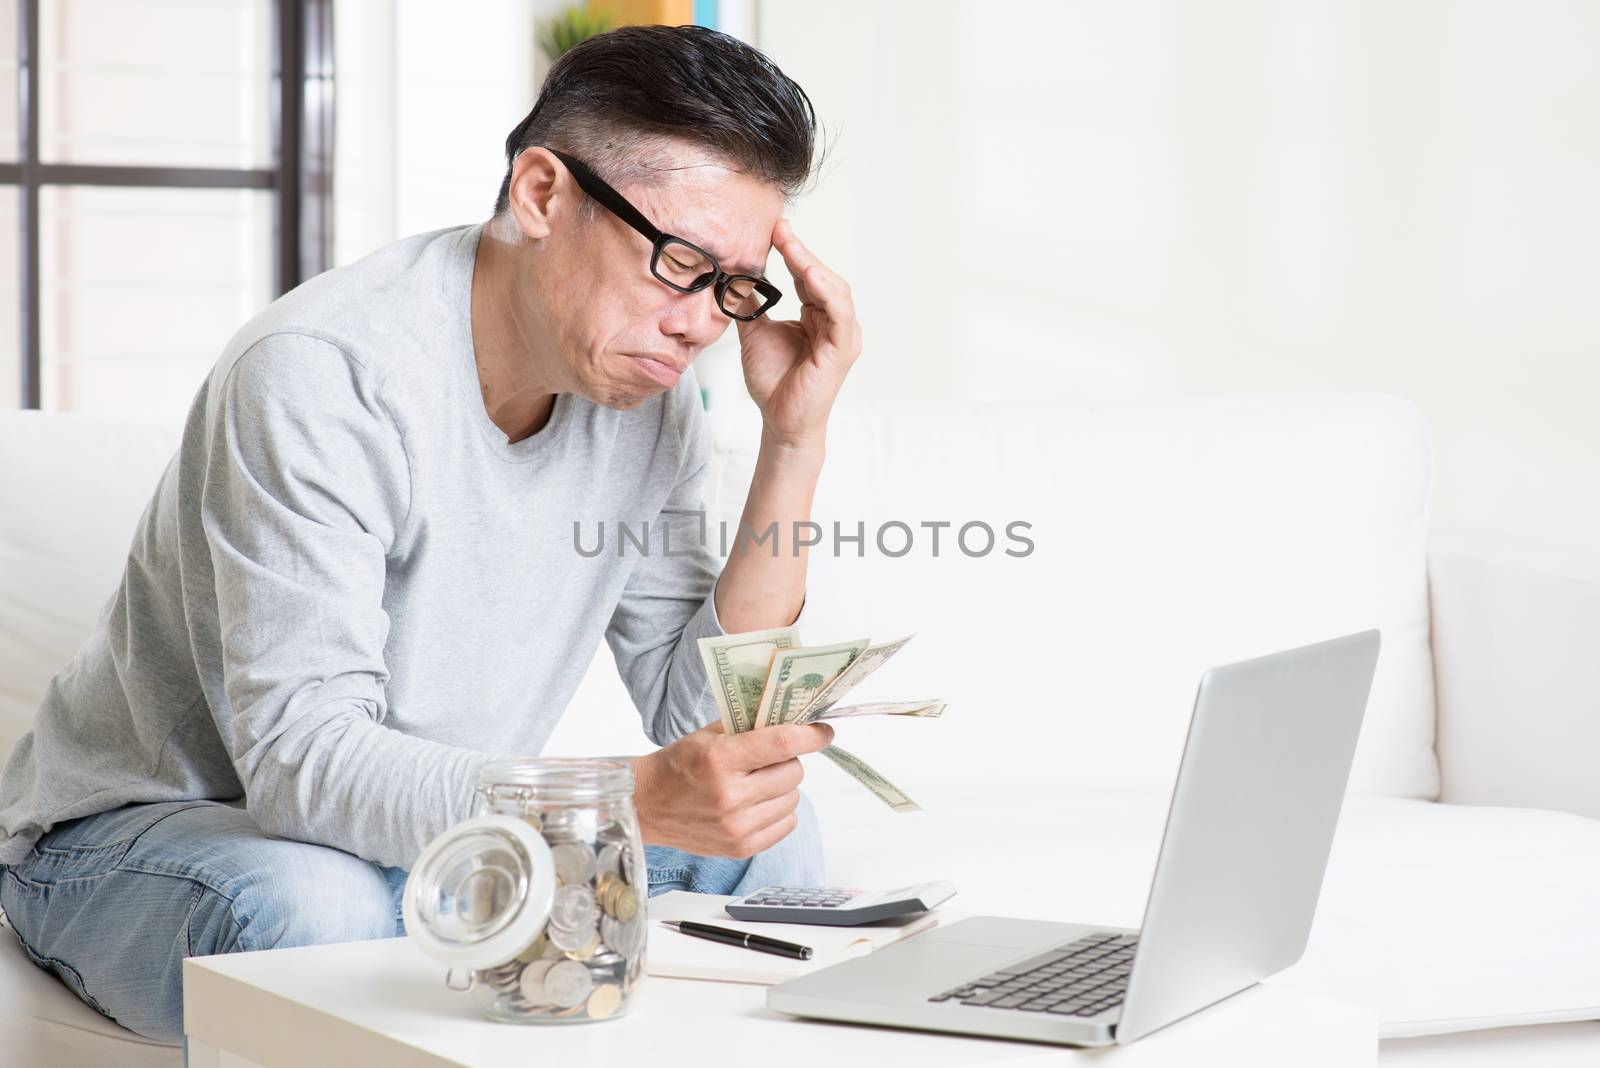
point(113, 903)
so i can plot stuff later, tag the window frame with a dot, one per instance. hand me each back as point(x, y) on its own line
point(301, 179)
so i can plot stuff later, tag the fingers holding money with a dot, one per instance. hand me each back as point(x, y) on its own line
point(719, 795)
point(774, 745)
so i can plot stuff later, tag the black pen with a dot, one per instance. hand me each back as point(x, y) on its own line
point(761, 943)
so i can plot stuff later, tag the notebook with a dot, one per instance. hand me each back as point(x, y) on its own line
point(679, 956)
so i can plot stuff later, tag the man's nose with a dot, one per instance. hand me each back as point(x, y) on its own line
point(694, 318)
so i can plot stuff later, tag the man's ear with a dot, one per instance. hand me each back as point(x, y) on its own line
point(541, 189)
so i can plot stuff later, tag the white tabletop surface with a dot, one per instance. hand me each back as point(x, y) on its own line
point(384, 1002)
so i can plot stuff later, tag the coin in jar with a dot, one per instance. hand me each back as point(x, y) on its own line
point(604, 1001)
point(605, 961)
point(588, 948)
point(626, 938)
point(536, 949)
point(605, 896)
point(559, 826)
point(625, 906)
point(504, 977)
point(531, 984)
point(609, 860)
point(573, 909)
point(567, 984)
point(574, 863)
point(602, 887)
point(627, 864)
point(569, 938)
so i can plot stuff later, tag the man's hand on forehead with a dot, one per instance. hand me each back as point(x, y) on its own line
point(794, 368)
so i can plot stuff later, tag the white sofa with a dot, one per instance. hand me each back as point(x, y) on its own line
point(1462, 891)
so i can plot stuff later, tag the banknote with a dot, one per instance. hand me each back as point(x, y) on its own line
point(798, 675)
point(869, 661)
point(920, 709)
point(737, 665)
point(762, 678)
point(863, 773)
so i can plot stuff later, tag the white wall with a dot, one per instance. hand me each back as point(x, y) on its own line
point(428, 91)
point(1087, 203)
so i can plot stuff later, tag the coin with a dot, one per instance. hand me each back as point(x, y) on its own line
point(567, 984)
point(573, 909)
point(574, 863)
point(567, 939)
point(559, 827)
point(604, 1001)
point(588, 948)
point(609, 862)
point(504, 977)
point(627, 865)
point(605, 960)
point(626, 938)
point(533, 821)
point(626, 905)
point(535, 949)
point(531, 984)
point(604, 884)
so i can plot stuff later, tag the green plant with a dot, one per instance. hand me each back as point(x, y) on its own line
point(574, 24)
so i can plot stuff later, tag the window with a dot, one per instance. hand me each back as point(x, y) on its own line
point(164, 174)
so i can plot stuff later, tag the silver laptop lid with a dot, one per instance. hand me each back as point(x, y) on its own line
point(1250, 826)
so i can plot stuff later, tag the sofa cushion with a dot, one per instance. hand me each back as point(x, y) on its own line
point(44, 1023)
point(1166, 540)
point(1438, 917)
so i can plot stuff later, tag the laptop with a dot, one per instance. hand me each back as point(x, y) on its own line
point(1236, 883)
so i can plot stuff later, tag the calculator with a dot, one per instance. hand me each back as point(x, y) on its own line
point(837, 906)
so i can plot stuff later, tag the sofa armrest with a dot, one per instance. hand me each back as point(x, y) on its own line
point(1516, 655)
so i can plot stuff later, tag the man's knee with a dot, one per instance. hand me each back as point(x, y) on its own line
point(306, 895)
point(798, 858)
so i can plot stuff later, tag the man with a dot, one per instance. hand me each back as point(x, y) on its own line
point(357, 582)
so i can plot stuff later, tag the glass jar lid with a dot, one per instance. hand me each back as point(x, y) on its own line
point(480, 892)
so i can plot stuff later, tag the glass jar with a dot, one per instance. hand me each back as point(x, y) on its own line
point(539, 899)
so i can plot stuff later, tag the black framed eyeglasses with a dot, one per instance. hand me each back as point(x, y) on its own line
point(681, 264)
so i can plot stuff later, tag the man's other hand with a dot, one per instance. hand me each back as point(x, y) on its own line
point(720, 795)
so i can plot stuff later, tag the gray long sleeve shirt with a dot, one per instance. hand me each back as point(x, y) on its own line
point(349, 590)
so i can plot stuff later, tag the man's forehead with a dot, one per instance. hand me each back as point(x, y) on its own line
point(715, 240)
point(694, 203)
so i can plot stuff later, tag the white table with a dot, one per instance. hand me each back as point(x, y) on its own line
point(382, 1002)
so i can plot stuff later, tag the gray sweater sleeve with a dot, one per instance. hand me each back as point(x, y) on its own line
point(306, 487)
point(668, 602)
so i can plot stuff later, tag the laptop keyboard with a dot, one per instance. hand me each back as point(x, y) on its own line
point(1082, 978)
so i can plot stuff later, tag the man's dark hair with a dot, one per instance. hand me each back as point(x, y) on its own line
point(612, 101)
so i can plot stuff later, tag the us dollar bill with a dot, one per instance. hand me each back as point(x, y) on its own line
point(737, 666)
point(797, 676)
point(874, 657)
point(867, 776)
point(920, 709)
